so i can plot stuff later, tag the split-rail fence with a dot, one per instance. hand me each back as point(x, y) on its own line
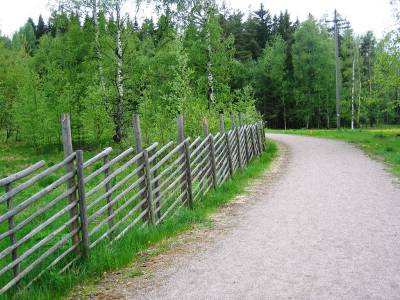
point(57, 215)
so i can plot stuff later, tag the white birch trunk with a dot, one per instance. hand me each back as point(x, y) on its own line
point(210, 76)
point(119, 78)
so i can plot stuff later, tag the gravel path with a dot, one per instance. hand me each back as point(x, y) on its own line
point(328, 228)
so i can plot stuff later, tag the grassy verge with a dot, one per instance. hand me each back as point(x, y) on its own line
point(107, 257)
point(383, 143)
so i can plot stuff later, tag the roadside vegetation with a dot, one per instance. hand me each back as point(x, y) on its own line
point(108, 257)
point(382, 143)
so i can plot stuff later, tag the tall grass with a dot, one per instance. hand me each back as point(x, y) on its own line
point(106, 257)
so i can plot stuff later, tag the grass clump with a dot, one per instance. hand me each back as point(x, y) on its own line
point(107, 257)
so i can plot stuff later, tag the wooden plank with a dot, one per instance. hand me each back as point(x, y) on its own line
point(21, 174)
point(13, 238)
point(177, 200)
point(150, 204)
point(195, 142)
point(228, 147)
point(168, 156)
point(53, 263)
point(188, 175)
point(213, 163)
point(169, 168)
point(114, 188)
point(202, 145)
point(111, 163)
point(181, 138)
point(97, 157)
point(171, 186)
point(200, 165)
point(118, 210)
point(237, 144)
point(36, 178)
point(159, 152)
point(206, 139)
point(38, 260)
point(137, 131)
point(246, 144)
point(115, 173)
point(42, 242)
point(38, 196)
point(116, 199)
point(108, 187)
point(134, 222)
point(82, 203)
point(155, 181)
point(152, 147)
point(200, 155)
point(202, 172)
point(69, 168)
point(37, 213)
point(37, 229)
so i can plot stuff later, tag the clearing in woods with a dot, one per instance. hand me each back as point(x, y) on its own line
point(323, 223)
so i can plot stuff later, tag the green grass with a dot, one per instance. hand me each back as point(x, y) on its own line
point(106, 257)
point(382, 143)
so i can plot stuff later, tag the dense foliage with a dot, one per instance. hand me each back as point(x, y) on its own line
point(98, 63)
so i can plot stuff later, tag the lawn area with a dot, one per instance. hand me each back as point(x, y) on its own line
point(382, 143)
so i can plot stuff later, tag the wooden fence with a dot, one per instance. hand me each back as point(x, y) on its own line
point(58, 214)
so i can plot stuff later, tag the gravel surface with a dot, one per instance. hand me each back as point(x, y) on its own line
point(327, 228)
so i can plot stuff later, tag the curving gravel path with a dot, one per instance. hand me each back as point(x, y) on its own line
point(328, 228)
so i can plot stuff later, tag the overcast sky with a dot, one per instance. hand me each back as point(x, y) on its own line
point(364, 15)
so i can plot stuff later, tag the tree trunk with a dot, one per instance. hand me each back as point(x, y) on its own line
point(210, 76)
point(119, 109)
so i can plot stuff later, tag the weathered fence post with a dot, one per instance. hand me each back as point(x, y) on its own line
point(253, 145)
point(239, 151)
point(228, 146)
point(188, 175)
point(181, 137)
point(139, 148)
point(211, 153)
point(82, 203)
point(262, 134)
point(206, 145)
point(150, 204)
point(68, 150)
point(108, 187)
point(213, 163)
point(246, 143)
point(11, 225)
point(156, 184)
point(254, 139)
point(260, 137)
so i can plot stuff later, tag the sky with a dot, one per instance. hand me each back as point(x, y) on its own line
point(364, 15)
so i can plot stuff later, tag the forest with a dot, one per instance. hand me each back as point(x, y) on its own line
point(101, 62)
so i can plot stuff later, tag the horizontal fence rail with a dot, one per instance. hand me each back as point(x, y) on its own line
point(52, 216)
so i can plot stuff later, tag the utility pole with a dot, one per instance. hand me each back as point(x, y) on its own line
point(337, 22)
point(352, 94)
